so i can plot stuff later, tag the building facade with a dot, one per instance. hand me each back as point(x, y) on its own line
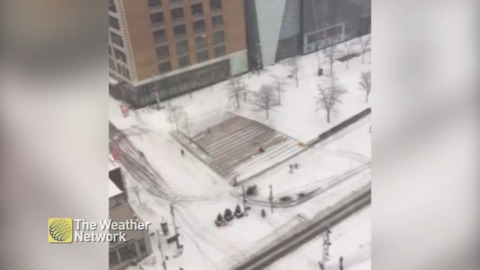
point(278, 29)
point(137, 245)
point(161, 49)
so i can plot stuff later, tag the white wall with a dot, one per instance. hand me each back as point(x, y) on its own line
point(238, 63)
point(269, 18)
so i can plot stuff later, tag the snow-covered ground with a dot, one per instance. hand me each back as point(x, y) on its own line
point(334, 168)
point(351, 239)
point(298, 116)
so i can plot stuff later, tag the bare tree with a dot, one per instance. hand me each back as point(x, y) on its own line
point(349, 49)
point(175, 115)
point(294, 66)
point(264, 99)
point(279, 85)
point(364, 46)
point(331, 54)
point(329, 97)
point(366, 83)
point(236, 90)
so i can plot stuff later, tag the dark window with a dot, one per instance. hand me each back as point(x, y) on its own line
point(160, 36)
point(202, 56)
point(116, 39)
point(111, 6)
point(177, 14)
point(197, 9)
point(215, 5)
point(154, 3)
point(200, 42)
point(127, 252)
point(165, 67)
point(182, 47)
point(113, 258)
point(179, 31)
point(220, 51)
point(113, 22)
point(218, 37)
point(109, 50)
point(183, 61)
point(141, 246)
point(157, 18)
point(162, 52)
point(199, 26)
point(217, 22)
point(119, 55)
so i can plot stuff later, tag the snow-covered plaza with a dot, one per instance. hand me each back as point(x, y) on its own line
point(163, 165)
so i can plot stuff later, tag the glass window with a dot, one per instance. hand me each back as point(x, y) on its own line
point(159, 36)
point(197, 9)
point(157, 18)
point(220, 51)
point(142, 246)
point(179, 31)
point(127, 252)
point(199, 26)
point(154, 3)
point(162, 52)
point(217, 22)
point(177, 14)
point(202, 56)
point(218, 37)
point(113, 258)
point(109, 50)
point(182, 47)
point(116, 39)
point(200, 42)
point(183, 61)
point(165, 67)
point(111, 6)
point(113, 22)
point(119, 55)
point(215, 5)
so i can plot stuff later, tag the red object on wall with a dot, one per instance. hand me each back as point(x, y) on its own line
point(116, 155)
point(125, 109)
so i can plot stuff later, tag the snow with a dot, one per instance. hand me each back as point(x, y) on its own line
point(351, 239)
point(333, 169)
point(112, 81)
point(113, 190)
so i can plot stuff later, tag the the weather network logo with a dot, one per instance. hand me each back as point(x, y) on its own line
point(60, 230)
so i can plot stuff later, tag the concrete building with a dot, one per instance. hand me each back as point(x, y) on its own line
point(138, 245)
point(161, 49)
point(278, 29)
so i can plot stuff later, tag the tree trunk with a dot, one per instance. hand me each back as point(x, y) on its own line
point(266, 111)
point(328, 116)
point(363, 57)
point(366, 97)
point(296, 79)
point(238, 102)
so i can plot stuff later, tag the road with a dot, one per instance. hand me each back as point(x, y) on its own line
point(335, 215)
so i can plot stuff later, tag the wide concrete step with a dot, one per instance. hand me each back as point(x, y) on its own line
point(241, 132)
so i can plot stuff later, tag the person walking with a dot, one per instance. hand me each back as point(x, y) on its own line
point(182, 152)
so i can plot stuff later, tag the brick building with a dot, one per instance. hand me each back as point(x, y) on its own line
point(161, 49)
